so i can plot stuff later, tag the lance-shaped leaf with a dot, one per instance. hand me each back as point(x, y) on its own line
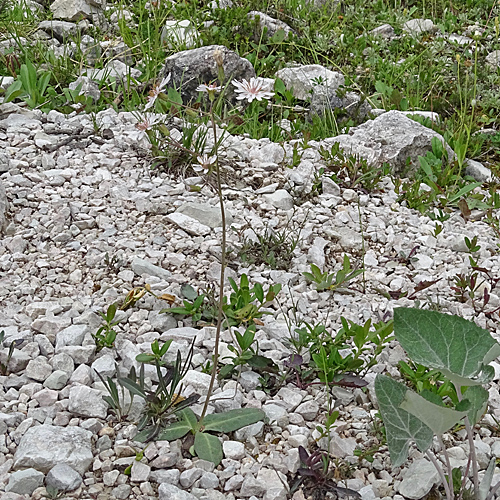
point(438, 418)
point(402, 428)
point(458, 348)
point(232, 420)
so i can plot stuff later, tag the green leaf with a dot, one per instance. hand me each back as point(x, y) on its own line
point(132, 387)
point(456, 347)
point(259, 292)
point(233, 419)
point(187, 415)
point(145, 358)
point(478, 398)
point(484, 487)
point(438, 418)
point(208, 447)
point(188, 292)
point(174, 431)
point(402, 428)
point(14, 91)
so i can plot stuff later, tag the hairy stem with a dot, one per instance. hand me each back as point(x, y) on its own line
point(222, 269)
point(449, 493)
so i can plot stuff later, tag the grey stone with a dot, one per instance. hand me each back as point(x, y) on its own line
point(44, 446)
point(390, 138)
point(80, 354)
point(161, 322)
point(88, 87)
point(4, 167)
point(18, 361)
point(253, 430)
point(281, 199)
point(170, 492)
point(276, 413)
point(493, 59)
point(417, 26)
point(4, 205)
point(25, 482)
point(188, 224)
point(419, 479)
point(179, 33)
point(309, 410)
point(190, 68)
point(209, 480)
point(87, 402)
point(188, 477)
point(50, 325)
point(71, 336)
point(269, 24)
point(114, 69)
point(198, 381)
point(478, 171)
point(63, 362)
point(140, 472)
point(349, 106)
point(206, 214)
point(302, 80)
point(74, 10)
point(122, 491)
point(63, 478)
point(385, 31)
point(141, 266)
point(341, 447)
point(235, 450)
point(61, 30)
point(105, 366)
point(252, 487)
point(166, 476)
point(38, 369)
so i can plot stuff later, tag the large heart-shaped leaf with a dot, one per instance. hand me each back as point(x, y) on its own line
point(402, 428)
point(458, 348)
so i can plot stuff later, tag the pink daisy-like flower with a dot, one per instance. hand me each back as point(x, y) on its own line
point(205, 162)
point(156, 91)
point(256, 88)
point(147, 123)
point(211, 87)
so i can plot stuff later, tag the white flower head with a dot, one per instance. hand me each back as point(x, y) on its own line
point(205, 162)
point(156, 91)
point(211, 87)
point(256, 88)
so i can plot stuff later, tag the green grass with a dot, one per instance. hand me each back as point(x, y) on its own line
point(422, 73)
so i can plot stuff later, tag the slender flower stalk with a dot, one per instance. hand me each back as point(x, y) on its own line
point(156, 91)
point(256, 88)
point(214, 159)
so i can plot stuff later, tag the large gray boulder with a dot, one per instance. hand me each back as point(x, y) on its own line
point(75, 10)
point(303, 79)
point(269, 24)
point(391, 138)
point(44, 446)
point(348, 106)
point(190, 68)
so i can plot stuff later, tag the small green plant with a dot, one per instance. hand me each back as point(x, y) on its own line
point(29, 86)
point(333, 281)
point(316, 474)
point(351, 171)
point(422, 379)
point(246, 354)
point(4, 367)
point(207, 446)
point(162, 402)
point(105, 335)
point(274, 248)
point(244, 305)
point(461, 351)
point(116, 398)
